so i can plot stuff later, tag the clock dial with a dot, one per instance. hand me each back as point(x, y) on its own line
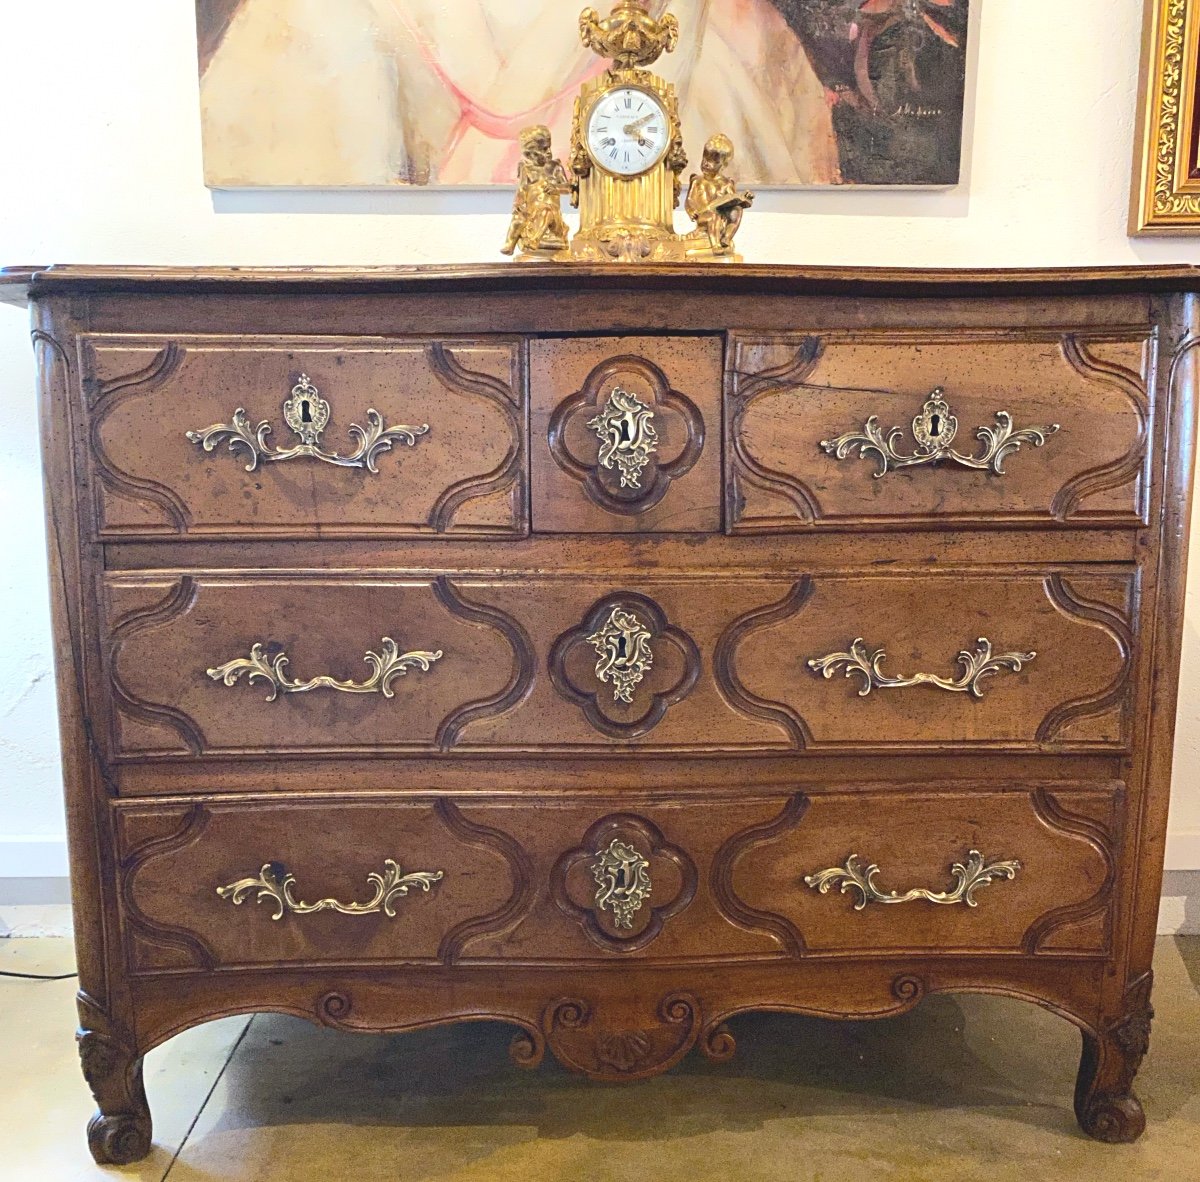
point(628, 132)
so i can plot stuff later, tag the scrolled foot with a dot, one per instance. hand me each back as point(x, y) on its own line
point(120, 1139)
point(121, 1131)
point(1105, 1104)
point(1116, 1120)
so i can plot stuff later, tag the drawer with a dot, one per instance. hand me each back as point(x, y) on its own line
point(297, 666)
point(957, 869)
point(628, 434)
point(996, 428)
point(555, 879)
point(305, 437)
point(353, 880)
point(959, 660)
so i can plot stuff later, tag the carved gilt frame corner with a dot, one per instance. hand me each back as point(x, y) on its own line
point(1166, 195)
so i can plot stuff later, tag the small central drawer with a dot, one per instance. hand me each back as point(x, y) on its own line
point(306, 437)
point(628, 433)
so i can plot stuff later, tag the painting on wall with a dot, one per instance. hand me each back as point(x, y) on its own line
point(369, 93)
point(1166, 189)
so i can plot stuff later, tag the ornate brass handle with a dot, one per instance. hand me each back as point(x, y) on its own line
point(968, 878)
point(386, 665)
point(623, 646)
point(975, 666)
point(307, 414)
point(275, 883)
point(627, 435)
point(935, 429)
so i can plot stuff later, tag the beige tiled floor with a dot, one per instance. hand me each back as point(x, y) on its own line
point(961, 1089)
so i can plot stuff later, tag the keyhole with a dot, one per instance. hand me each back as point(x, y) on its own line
point(935, 426)
point(622, 651)
point(305, 411)
point(626, 435)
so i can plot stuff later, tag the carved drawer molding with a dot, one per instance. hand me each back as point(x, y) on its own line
point(631, 434)
point(162, 413)
point(800, 408)
point(622, 633)
point(623, 882)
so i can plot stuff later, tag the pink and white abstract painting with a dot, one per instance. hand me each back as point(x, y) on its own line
point(370, 93)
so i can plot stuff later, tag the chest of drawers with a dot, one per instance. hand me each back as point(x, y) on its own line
point(610, 652)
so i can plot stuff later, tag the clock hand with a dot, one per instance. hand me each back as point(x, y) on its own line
point(637, 125)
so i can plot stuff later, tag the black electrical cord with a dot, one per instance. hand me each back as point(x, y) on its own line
point(38, 976)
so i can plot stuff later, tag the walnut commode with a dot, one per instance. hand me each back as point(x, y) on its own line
point(609, 651)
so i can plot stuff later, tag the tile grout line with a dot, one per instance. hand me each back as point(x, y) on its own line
point(208, 1096)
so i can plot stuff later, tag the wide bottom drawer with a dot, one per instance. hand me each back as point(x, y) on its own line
point(549, 880)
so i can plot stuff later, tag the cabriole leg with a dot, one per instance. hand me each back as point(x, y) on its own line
point(120, 1132)
point(1105, 1104)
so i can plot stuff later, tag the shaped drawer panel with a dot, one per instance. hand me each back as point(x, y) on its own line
point(305, 437)
point(292, 666)
point(958, 869)
point(918, 428)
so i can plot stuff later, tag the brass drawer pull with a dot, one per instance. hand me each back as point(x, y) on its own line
point(968, 876)
point(976, 665)
point(935, 429)
point(274, 882)
point(387, 665)
point(307, 414)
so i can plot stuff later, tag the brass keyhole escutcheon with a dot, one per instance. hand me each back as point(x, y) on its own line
point(623, 651)
point(622, 875)
point(627, 436)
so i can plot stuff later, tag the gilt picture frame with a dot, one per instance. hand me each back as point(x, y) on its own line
point(1166, 194)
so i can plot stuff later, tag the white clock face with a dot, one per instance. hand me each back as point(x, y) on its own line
point(628, 131)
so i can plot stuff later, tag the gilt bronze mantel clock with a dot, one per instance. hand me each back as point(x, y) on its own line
point(627, 160)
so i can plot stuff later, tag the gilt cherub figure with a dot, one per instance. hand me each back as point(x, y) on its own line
point(713, 201)
point(538, 225)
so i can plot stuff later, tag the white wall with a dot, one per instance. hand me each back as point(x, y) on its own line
point(100, 146)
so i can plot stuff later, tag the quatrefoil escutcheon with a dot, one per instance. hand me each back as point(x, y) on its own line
point(626, 435)
point(625, 665)
point(623, 882)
